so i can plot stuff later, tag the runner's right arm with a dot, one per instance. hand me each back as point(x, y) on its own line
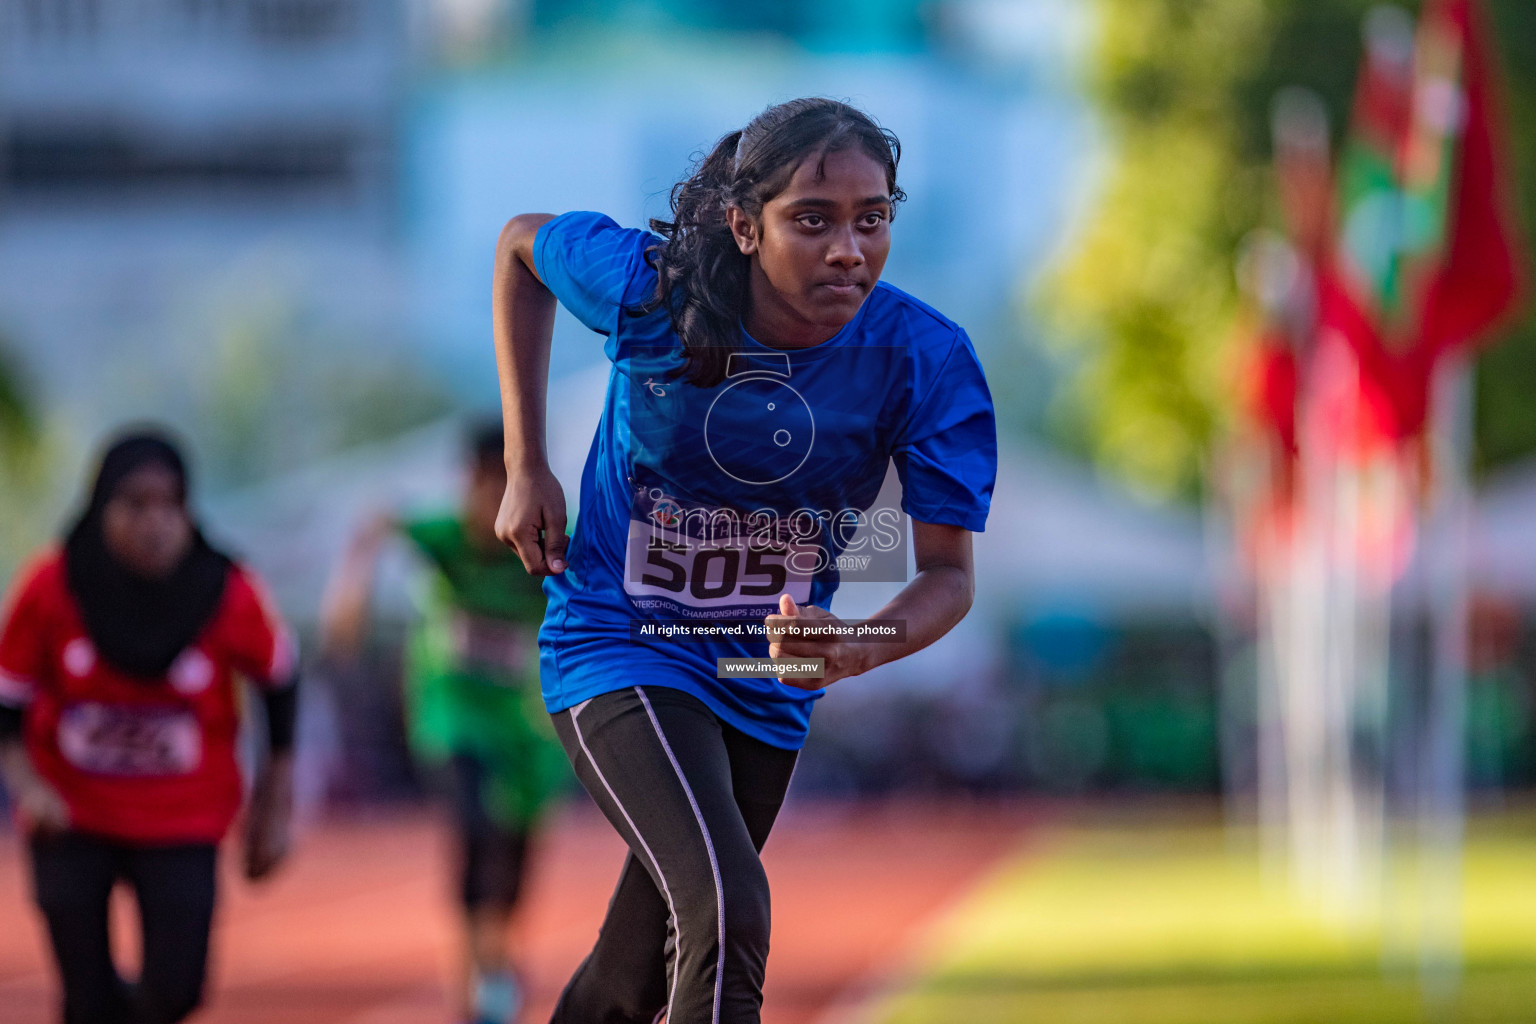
point(41, 807)
point(344, 606)
point(532, 518)
point(22, 658)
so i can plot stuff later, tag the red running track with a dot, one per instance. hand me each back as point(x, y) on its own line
point(357, 928)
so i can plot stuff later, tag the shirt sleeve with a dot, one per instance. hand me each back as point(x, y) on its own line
point(24, 639)
point(431, 538)
point(594, 267)
point(947, 454)
point(261, 646)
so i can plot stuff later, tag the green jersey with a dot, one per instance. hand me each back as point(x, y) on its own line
point(472, 669)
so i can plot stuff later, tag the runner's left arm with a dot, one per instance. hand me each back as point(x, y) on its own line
point(947, 461)
point(344, 605)
point(265, 652)
point(931, 604)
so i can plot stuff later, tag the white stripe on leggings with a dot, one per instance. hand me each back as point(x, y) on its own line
point(677, 924)
point(709, 845)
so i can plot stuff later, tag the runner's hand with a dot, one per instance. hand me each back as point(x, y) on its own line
point(41, 810)
point(842, 658)
point(268, 823)
point(532, 520)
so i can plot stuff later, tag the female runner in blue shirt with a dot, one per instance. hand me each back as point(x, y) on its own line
point(763, 381)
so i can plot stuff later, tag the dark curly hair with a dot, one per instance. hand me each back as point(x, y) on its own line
point(701, 274)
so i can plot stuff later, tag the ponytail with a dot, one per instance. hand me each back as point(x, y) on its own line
point(701, 276)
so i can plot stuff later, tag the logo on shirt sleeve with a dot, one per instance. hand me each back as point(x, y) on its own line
point(192, 672)
point(79, 657)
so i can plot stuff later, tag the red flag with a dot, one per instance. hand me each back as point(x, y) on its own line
point(1480, 280)
point(1270, 374)
point(1425, 258)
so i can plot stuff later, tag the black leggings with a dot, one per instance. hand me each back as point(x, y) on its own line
point(694, 798)
point(73, 875)
point(492, 855)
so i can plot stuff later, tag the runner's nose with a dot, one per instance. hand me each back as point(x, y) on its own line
point(844, 251)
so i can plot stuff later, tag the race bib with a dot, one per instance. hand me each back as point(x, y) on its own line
point(490, 646)
point(114, 739)
point(701, 562)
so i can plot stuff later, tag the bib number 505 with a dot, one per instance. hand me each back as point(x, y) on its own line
point(702, 575)
point(707, 573)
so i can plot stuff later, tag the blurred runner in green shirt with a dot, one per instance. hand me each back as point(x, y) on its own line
point(472, 703)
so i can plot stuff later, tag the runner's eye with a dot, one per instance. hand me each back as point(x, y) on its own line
point(811, 220)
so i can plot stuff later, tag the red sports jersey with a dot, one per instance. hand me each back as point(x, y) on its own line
point(149, 761)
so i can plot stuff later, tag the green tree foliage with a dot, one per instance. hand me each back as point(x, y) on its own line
point(28, 450)
point(1506, 377)
point(17, 427)
point(1145, 306)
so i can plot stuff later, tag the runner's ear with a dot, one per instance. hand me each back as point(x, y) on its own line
point(742, 229)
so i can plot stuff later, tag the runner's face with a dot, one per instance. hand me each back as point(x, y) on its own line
point(145, 524)
point(818, 248)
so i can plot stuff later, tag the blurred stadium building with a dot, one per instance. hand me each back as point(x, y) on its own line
point(193, 192)
point(259, 218)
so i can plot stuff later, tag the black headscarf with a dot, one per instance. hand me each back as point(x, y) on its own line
point(140, 625)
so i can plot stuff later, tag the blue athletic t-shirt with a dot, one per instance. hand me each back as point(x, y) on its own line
point(705, 504)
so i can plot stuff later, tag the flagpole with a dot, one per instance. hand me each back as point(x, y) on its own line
point(1443, 784)
point(1271, 677)
point(1234, 626)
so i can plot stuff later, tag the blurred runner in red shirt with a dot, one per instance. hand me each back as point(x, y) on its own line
point(120, 655)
